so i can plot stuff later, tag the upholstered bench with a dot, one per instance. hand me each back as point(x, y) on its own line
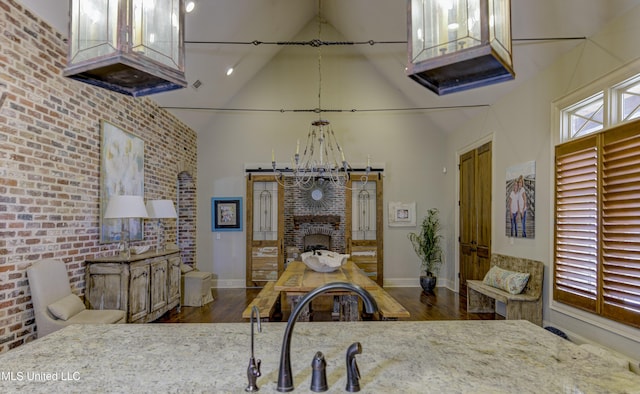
point(526, 305)
point(196, 287)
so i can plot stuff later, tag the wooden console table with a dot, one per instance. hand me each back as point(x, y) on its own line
point(145, 286)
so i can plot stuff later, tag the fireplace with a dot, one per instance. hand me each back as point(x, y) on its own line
point(313, 242)
point(303, 221)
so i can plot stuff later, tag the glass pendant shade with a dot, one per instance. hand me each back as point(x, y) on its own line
point(134, 47)
point(456, 45)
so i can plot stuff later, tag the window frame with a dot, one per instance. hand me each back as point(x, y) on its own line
point(611, 85)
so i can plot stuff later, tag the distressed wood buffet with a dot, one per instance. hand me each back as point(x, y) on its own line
point(145, 286)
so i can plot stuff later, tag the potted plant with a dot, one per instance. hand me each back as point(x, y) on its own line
point(426, 244)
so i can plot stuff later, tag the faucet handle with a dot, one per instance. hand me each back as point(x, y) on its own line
point(319, 373)
point(353, 372)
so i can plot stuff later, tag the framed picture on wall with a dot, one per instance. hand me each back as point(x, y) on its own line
point(121, 173)
point(226, 214)
point(402, 214)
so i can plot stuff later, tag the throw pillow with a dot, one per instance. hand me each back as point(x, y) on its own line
point(184, 268)
point(66, 307)
point(513, 282)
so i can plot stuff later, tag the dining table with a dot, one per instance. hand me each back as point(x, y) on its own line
point(298, 279)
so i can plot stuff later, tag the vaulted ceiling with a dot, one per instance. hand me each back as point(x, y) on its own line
point(355, 20)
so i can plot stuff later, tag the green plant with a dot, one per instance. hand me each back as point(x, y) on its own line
point(427, 243)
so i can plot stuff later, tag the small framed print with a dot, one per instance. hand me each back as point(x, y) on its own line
point(402, 214)
point(226, 214)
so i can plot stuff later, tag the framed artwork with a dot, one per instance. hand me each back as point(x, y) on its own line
point(520, 208)
point(402, 214)
point(226, 214)
point(121, 173)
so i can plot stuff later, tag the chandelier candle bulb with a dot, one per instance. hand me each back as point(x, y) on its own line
point(273, 155)
point(298, 147)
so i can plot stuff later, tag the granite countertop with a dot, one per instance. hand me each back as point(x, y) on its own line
point(409, 357)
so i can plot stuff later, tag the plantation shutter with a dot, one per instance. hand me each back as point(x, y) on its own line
point(621, 224)
point(576, 224)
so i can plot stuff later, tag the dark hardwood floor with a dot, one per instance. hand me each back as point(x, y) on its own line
point(228, 305)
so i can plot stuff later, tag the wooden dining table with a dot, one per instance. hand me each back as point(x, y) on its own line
point(298, 279)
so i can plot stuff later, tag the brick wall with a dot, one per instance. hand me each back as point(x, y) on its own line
point(297, 203)
point(49, 163)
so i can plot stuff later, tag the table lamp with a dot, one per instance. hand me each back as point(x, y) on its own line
point(161, 209)
point(124, 208)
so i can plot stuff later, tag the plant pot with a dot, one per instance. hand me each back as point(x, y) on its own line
point(428, 283)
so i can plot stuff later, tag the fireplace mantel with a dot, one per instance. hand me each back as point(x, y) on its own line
point(322, 219)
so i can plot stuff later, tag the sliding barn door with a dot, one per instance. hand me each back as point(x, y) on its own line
point(265, 230)
point(363, 230)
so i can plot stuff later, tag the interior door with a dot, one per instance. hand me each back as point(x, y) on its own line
point(265, 230)
point(475, 214)
point(363, 230)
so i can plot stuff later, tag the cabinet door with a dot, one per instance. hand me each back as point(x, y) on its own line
point(174, 278)
point(159, 288)
point(106, 286)
point(139, 292)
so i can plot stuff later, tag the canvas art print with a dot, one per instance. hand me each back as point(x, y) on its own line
point(121, 173)
point(520, 200)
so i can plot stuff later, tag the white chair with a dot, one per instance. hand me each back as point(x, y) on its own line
point(55, 306)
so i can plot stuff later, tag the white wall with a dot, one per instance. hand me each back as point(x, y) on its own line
point(521, 129)
point(404, 142)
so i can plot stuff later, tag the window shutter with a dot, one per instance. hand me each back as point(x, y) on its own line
point(621, 225)
point(576, 224)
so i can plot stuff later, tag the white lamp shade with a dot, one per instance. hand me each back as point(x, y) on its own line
point(120, 207)
point(161, 209)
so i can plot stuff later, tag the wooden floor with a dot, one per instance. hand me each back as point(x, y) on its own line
point(228, 305)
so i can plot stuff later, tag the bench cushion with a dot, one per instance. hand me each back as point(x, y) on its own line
point(513, 282)
point(498, 294)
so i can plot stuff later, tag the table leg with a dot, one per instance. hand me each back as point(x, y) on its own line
point(349, 310)
point(305, 313)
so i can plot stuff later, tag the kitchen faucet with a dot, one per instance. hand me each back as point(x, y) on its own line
point(253, 370)
point(285, 379)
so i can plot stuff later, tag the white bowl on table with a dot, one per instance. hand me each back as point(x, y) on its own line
point(324, 260)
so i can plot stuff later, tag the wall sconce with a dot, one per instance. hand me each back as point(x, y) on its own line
point(133, 47)
point(161, 209)
point(457, 45)
point(125, 208)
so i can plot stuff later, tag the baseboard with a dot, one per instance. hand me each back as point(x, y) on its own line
point(415, 282)
point(228, 283)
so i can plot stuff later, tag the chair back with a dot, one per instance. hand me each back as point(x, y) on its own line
point(49, 282)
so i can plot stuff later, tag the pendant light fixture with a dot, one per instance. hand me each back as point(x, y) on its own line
point(134, 47)
point(456, 45)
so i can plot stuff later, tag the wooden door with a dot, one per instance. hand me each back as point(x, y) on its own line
point(265, 230)
point(475, 214)
point(363, 229)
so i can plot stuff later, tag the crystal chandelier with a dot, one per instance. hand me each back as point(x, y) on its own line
point(322, 157)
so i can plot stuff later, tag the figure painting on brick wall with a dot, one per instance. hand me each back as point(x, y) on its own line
point(520, 200)
point(121, 173)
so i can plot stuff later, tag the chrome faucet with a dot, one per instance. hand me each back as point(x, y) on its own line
point(253, 370)
point(285, 379)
